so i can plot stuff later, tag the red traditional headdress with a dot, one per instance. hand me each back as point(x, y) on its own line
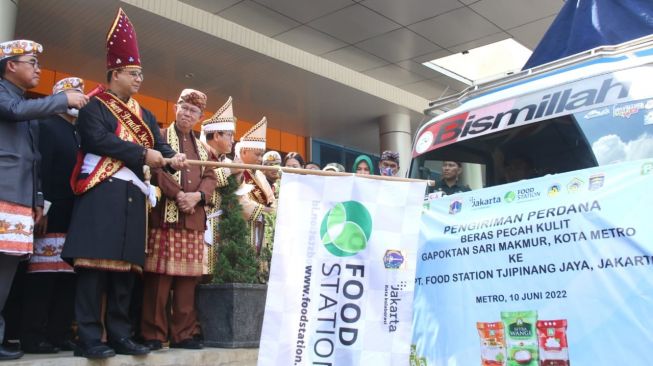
point(122, 47)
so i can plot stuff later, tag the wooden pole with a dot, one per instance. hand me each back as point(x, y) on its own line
point(216, 164)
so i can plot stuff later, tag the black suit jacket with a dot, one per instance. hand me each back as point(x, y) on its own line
point(19, 139)
point(58, 147)
point(108, 221)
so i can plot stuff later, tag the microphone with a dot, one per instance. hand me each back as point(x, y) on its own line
point(97, 90)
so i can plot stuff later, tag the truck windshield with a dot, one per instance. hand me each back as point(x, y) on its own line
point(607, 135)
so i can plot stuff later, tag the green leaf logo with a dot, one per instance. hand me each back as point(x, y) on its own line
point(346, 228)
point(510, 196)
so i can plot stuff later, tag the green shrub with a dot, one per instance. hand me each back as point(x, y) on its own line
point(237, 261)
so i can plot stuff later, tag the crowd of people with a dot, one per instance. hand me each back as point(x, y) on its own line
point(75, 200)
point(110, 223)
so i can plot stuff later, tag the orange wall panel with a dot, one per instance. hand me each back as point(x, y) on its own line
point(301, 147)
point(58, 75)
point(90, 85)
point(154, 105)
point(206, 115)
point(164, 112)
point(170, 113)
point(241, 128)
point(273, 137)
point(46, 83)
point(288, 142)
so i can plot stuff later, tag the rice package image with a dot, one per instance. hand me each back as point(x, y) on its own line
point(493, 343)
point(552, 339)
point(521, 337)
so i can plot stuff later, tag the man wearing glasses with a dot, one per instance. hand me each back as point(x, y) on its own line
point(21, 200)
point(106, 237)
point(218, 137)
point(175, 246)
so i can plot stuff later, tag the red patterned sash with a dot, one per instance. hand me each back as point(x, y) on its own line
point(256, 193)
point(131, 127)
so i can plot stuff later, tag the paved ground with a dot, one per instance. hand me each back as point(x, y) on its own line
point(164, 357)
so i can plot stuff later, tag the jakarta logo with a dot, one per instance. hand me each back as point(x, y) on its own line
point(346, 228)
point(393, 259)
point(455, 206)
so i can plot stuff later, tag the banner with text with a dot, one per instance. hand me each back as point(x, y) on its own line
point(342, 275)
point(554, 271)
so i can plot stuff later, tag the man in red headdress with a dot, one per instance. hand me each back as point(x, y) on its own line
point(106, 238)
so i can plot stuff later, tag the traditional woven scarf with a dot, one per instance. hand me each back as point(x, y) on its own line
point(130, 127)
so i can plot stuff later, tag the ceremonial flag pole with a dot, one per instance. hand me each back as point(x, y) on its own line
point(216, 164)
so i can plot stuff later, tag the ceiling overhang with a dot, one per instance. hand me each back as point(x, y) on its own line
point(182, 46)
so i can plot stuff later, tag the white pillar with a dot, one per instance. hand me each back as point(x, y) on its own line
point(8, 10)
point(395, 135)
point(472, 176)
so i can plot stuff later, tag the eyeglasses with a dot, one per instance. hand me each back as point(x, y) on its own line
point(34, 62)
point(190, 110)
point(136, 74)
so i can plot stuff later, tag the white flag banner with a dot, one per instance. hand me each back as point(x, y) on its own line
point(343, 270)
point(551, 271)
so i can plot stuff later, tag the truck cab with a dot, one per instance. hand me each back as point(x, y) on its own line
point(585, 110)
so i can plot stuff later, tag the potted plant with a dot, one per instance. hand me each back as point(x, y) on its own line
point(230, 309)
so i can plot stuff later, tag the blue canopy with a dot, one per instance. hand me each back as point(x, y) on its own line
point(585, 24)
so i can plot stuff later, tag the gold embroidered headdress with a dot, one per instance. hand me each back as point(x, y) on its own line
point(254, 139)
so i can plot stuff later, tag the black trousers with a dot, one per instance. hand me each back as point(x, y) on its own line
point(8, 265)
point(91, 285)
point(47, 307)
point(136, 308)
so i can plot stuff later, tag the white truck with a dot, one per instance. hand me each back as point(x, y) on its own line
point(555, 268)
point(585, 110)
